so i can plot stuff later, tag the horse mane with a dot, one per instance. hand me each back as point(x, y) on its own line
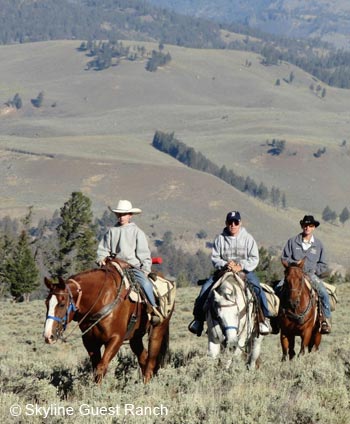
point(298, 265)
point(84, 273)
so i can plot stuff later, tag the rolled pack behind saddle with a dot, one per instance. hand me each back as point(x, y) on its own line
point(331, 290)
point(164, 292)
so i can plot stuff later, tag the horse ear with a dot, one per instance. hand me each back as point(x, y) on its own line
point(301, 263)
point(61, 283)
point(285, 263)
point(48, 283)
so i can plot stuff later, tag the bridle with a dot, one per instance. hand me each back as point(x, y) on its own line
point(299, 317)
point(72, 307)
point(219, 319)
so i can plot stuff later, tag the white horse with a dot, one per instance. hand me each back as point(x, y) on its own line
point(231, 320)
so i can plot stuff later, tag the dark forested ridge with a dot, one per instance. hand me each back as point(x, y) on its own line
point(328, 20)
point(23, 21)
point(167, 143)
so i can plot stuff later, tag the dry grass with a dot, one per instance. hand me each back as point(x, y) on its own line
point(191, 388)
point(102, 125)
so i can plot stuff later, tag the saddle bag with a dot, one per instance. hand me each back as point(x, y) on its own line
point(332, 293)
point(273, 301)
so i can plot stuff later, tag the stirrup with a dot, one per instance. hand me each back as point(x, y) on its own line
point(325, 327)
point(155, 316)
point(155, 320)
point(196, 327)
point(264, 327)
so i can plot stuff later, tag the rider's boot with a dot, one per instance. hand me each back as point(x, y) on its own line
point(325, 326)
point(275, 328)
point(264, 327)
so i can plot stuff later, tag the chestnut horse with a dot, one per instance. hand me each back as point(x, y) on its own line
point(298, 312)
point(98, 300)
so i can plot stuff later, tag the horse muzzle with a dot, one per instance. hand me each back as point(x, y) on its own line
point(231, 338)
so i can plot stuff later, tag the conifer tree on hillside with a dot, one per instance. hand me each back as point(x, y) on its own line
point(328, 214)
point(19, 270)
point(344, 215)
point(76, 238)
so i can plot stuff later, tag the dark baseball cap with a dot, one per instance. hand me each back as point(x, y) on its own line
point(233, 216)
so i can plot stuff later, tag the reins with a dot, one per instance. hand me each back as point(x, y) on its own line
point(98, 316)
point(300, 317)
point(242, 312)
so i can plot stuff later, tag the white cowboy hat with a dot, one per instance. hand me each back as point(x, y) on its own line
point(124, 206)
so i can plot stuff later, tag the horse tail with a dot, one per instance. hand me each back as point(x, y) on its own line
point(163, 356)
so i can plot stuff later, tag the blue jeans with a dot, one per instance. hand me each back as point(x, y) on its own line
point(318, 285)
point(252, 279)
point(145, 284)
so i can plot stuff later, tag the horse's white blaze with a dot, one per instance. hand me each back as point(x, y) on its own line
point(49, 321)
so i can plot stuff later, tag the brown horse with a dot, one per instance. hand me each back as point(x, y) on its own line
point(298, 312)
point(98, 300)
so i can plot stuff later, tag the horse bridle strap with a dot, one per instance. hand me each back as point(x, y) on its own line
point(72, 307)
point(300, 317)
point(79, 291)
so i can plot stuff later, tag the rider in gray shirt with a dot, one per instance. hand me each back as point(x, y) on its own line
point(128, 242)
point(306, 245)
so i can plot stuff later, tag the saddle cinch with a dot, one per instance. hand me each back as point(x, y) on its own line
point(164, 291)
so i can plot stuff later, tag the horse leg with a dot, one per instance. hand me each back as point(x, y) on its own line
point(213, 349)
point(254, 354)
point(285, 346)
point(291, 340)
point(111, 348)
point(306, 339)
point(157, 348)
point(93, 350)
point(139, 350)
point(315, 340)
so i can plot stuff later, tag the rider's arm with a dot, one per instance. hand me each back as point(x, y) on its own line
point(143, 253)
point(252, 259)
point(104, 247)
point(321, 265)
point(216, 255)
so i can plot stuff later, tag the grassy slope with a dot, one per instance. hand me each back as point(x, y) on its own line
point(314, 388)
point(103, 123)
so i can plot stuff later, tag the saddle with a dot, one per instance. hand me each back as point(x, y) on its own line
point(241, 281)
point(164, 290)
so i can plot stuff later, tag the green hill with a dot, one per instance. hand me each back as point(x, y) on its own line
point(94, 130)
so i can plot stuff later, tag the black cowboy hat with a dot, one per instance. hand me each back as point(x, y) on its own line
point(309, 219)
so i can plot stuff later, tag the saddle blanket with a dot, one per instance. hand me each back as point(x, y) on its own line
point(273, 301)
point(164, 291)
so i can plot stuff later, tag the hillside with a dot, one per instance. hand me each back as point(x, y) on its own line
point(327, 20)
point(94, 132)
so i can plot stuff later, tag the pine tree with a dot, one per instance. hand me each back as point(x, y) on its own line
point(6, 248)
point(328, 214)
point(21, 271)
point(76, 238)
point(344, 216)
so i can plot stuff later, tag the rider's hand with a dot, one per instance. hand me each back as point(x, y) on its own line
point(152, 276)
point(101, 262)
point(232, 266)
